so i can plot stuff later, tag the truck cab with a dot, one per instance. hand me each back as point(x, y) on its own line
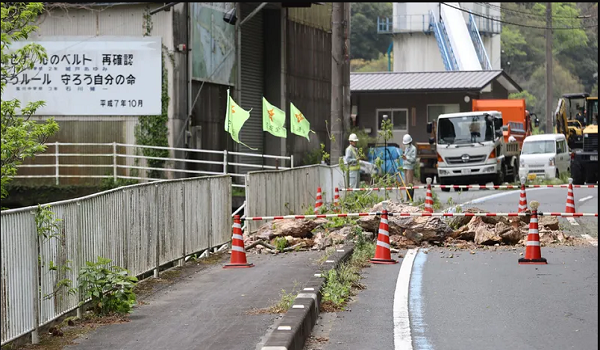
point(471, 149)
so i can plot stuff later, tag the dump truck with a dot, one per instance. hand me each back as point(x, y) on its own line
point(516, 124)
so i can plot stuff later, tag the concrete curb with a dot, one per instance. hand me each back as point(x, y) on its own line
point(297, 323)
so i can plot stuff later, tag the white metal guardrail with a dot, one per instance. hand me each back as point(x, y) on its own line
point(139, 227)
point(116, 159)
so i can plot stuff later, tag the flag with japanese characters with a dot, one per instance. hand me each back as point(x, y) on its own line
point(273, 120)
point(235, 119)
point(298, 123)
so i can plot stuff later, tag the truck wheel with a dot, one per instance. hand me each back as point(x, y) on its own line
point(577, 174)
point(442, 182)
point(514, 176)
point(500, 178)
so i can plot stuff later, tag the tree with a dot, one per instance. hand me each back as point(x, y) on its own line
point(365, 43)
point(21, 137)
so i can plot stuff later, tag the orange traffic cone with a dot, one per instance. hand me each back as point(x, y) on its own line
point(533, 252)
point(428, 198)
point(570, 198)
point(238, 254)
point(319, 201)
point(336, 201)
point(523, 199)
point(383, 254)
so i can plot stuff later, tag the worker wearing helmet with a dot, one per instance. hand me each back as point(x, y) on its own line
point(410, 160)
point(351, 159)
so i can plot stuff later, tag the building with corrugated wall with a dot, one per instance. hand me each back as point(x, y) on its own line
point(284, 55)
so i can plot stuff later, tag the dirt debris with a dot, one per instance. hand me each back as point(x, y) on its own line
point(459, 233)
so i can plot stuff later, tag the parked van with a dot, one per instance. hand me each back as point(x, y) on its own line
point(547, 156)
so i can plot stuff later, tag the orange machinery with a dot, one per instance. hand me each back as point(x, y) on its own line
point(516, 119)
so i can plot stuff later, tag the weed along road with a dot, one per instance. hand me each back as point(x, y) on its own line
point(452, 298)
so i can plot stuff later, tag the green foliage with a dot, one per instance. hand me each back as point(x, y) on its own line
point(280, 243)
point(109, 287)
point(364, 40)
point(152, 130)
point(575, 51)
point(48, 227)
point(284, 303)
point(380, 64)
point(109, 183)
point(21, 137)
point(339, 283)
point(357, 202)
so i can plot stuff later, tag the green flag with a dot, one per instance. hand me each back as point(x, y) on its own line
point(273, 120)
point(298, 124)
point(235, 119)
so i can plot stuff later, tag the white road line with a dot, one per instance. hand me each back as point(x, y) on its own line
point(593, 241)
point(586, 198)
point(572, 221)
point(402, 336)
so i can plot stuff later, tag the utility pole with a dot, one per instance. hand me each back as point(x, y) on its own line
point(549, 112)
point(346, 110)
point(337, 90)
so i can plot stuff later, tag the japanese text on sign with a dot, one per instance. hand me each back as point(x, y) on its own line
point(92, 76)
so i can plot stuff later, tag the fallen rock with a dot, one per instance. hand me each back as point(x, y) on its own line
point(548, 222)
point(417, 229)
point(427, 229)
point(507, 233)
point(484, 233)
point(289, 227)
point(340, 235)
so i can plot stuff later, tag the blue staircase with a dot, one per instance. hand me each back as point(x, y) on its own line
point(479, 48)
point(443, 43)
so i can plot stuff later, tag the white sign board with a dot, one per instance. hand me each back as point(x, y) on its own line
point(101, 75)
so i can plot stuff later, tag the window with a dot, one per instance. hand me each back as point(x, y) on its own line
point(433, 111)
point(559, 147)
point(538, 147)
point(398, 117)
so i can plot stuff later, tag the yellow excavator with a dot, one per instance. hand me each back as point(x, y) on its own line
point(565, 118)
point(584, 161)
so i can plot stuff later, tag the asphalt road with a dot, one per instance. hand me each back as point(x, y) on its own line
point(485, 300)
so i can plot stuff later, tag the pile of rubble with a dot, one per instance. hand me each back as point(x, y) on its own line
point(409, 231)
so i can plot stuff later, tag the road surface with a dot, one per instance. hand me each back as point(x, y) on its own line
point(441, 299)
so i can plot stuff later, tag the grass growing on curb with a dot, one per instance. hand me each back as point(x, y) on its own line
point(343, 282)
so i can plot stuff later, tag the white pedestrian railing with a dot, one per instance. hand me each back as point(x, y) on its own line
point(139, 227)
point(118, 160)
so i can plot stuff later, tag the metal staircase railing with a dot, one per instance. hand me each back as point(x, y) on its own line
point(443, 43)
point(479, 47)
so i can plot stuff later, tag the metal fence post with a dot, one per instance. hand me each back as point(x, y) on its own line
point(115, 161)
point(225, 162)
point(292, 161)
point(56, 161)
point(35, 336)
point(157, 269)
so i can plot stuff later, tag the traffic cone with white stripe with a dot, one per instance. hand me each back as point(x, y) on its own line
point(238, 254)
point(336, 201)
point(319, 201)
point(383, 255)
point(533, 252)
point(428, 198)
point(523, 199)
point(570, 198)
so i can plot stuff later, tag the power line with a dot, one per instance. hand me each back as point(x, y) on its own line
point(517, 24)
point(531, 14)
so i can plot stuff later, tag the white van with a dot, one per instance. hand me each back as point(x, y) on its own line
point(547, 156)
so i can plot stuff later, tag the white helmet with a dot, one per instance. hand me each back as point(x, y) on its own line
point(353, 137)
point(406, 139)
